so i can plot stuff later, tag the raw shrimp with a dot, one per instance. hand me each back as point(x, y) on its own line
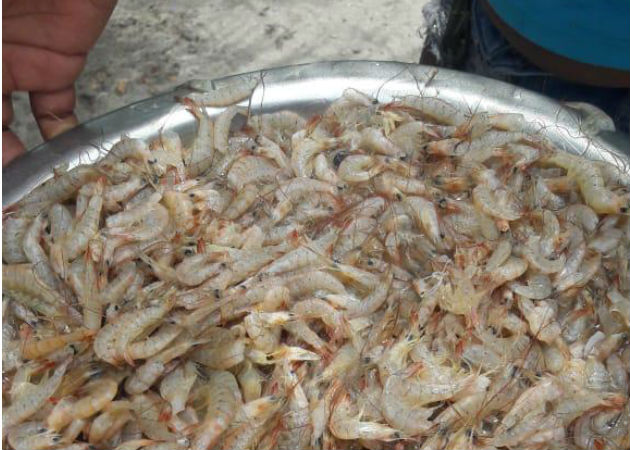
point(222, 95)
point(100, 393)
point(345, 423)
point(359, 168)
point(591, 183)
point(34, 349)
point(112, 340)
point(32, 436)
point(56, 190)
point(32, 398)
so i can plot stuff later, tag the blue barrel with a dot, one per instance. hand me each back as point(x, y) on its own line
point(595, 32)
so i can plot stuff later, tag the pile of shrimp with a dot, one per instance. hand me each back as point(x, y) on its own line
point(382, 276)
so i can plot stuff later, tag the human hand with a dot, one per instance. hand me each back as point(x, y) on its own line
point(44, 48)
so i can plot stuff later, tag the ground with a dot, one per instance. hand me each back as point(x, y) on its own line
point(149, 47)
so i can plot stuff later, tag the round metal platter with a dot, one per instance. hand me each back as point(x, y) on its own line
point(308, 89)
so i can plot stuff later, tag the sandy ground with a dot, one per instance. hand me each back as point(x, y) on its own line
point(149, 47)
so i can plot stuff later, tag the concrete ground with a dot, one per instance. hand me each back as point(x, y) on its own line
point(149, 47)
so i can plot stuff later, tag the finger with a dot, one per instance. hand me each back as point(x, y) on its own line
point(31, 68)
point(11, 145)
point(54, 111)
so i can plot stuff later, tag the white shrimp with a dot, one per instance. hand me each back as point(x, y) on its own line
point(112, 340)
point(374, 140)
point(13, 230)
point(424, 213)
point(591, 183)
point(56, 190)
point(175, 387)
point(359, 168)
point(496, 204)
point(323, 171)
point(345, 423)
point(32, 398)
point(222, 95)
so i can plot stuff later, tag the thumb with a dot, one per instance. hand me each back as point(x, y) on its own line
point(54, 111)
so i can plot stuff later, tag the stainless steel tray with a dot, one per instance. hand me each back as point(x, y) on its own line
point(309, 89)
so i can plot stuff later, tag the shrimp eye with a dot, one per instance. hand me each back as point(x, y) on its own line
point(74, 349)
point(56, 439)
point(370, 262)
point(116, 307)
point(442, 235)
point(398, 196)
point(41, 430)
point(188, 252)
point(366, 360)
point(217, 293)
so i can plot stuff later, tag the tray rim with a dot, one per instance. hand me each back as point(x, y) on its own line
point(144, 118)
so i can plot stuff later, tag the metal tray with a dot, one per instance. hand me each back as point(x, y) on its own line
point(308, 89)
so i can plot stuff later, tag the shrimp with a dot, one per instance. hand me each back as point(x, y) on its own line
point(373, 139)
point(34, 349)
point(223, 354)
point(433, 108)
point(114, 291)
point(152, 224)
point(500, 255)
point(251, 381)
point(21, 278)
point(60, 221)
point(262, 328)
point(241, 202)
point(32, 436)
point(13, 231)
point(541, 319)
point(175, 387)
point(248, 426)
point(148, 411)
point(127, 148)
point(251, 169)
point(304, 149)
point(425, 215)
point(296, 421)
point(74, 243)
point(100, 394)
point(134, 213)
point(223, 94)
point(392, 185)
point(375, 299)
point(112, 340)
point(496, 204)
point(592, 186)
point(359, 168)
point(56, 190)
point(533, 399)
point(323, 171)
point(345, 423)
point(33, 398)
point(110, 422)
point(180, 208)
point(222, 126)
point(221, 403)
